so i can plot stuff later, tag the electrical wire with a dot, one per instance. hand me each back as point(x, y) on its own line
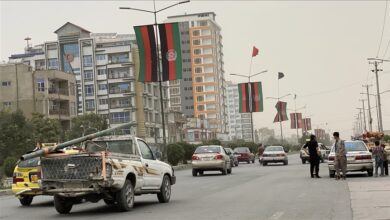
point(383, 30)
point(387, 48)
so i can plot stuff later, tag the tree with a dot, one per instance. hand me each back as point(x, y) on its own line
point(9, 166)
point(45, 129)
point(387, 138)
point(175, 154)
point(212, 142)
point(86, 124)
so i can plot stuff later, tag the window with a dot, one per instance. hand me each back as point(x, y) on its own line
point(53, 63)
point(102, 86)
point(199, 89)
point(119, 58)
point(146, 153)
point(199, 79)
point(89, 90)
point(6, 83)
point(197, 51)
point(202, 23)
point(40, 64)
point(196, 42)
point(200, 98)
point(72, 88)
point(103, 101)
point(90, 105)
point(198, 70)
point(198, 60)
point(87, 61)
point(100, 56)
point(88, 75)
point(195, 32)
point(174, 91)
point(175, 100)
point(120, 117)
point(7, 104)
point(101, 71)
point(200, 107)
point(41, 85)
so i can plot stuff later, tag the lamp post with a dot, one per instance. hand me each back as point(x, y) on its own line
point(280, 120)
point(250, 97)
point(154, 12)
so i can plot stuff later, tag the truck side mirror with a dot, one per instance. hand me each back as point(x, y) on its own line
point(158, 155)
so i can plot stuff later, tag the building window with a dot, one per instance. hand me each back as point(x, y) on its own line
point(198, 70)
point(202, 23)
point(7, 104)
point(6, 83)
point(198, 60)
point(41, 85)
point(103, 101)
point(199, 89)
point(174, 91)
point(175, 100)
point(102, 86)
point(53, 63)
point(120, 88)
point(195, 32)
point(196, 42)
point(118, 58)
point(89, 90)
point(199, 79)
point(90, 105)
point(120, 117)
point(101, 71)
point(40, 64)
point(87, 61)
point(100, 57)
point(197, 51)
point(200, 98)
point(88, 75)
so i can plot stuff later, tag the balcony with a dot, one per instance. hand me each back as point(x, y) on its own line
point(119, 90)
point(59, 112)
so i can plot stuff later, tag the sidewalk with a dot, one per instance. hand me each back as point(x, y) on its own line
point(370, 198)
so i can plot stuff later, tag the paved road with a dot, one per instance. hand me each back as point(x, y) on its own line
point(251, 192)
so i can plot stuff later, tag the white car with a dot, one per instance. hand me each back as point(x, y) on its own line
point(211, 158)
point(359, 158)
point(274, 154)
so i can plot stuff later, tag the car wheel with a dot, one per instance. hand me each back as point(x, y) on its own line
point(285, 162)
point(253, 161)
point(303, 161)
point(63, 205)
point(229, 171)
point(236, 164)
point(201, 172)
point(224, 171)
point(26, 200)
point(125, 197)
point(165, 191)
point(331, 174)
point(264, 164)
point(194, 172)
point(322, 160)
point(370, 172)
point(248, 161)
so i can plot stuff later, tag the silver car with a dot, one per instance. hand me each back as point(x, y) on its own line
point(274, 154)
point(359, 158)
point(211, 158)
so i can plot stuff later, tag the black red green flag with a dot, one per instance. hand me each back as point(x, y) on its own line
point(296, 120)
point(243, 93)
point(170, 51)
point(306, 124)
point(282, 111)
point(257, 97)
point(147, 51)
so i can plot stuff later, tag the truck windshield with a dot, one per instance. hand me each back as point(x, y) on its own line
point(33, 162)
point(117, 146)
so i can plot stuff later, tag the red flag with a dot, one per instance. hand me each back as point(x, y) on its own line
point(255, 51)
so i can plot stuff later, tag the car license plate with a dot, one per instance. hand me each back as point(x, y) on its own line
point(350, 158)
point(34, 178)
point(206, 158)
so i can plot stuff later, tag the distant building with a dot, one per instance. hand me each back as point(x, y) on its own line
point(50, 92)
point(239, 123)
point(105, 66)
point(202, 91)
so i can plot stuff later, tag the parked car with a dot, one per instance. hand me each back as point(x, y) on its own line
point(233, 157)
point(359, 158)
point(324, 153)
point(274, 154)
point(244, 154)
point(211, 158)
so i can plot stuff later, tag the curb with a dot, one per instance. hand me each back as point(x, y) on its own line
point(5, 192)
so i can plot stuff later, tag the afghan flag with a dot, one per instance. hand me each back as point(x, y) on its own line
point(281, 107)
point(257, 97)
point(296, 120)
point(170, 51)
point(147, 51)
point(243, 93)
point(306, 124)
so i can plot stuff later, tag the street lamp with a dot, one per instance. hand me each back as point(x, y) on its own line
point(154, 12)
point(250, 102)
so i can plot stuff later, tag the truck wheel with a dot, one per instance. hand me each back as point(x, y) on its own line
point(63, 205)
point(194, 172)
point(125, 197)
point(165, 191)
point(109, 201)
point(26, 200)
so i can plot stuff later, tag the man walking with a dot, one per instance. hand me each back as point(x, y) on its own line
point(386, 160)
point(378, 154)
point(340, 160)
point(314, 156)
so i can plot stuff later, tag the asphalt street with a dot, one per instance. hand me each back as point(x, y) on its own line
point(250, 192)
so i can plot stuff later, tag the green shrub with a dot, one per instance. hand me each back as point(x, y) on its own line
point(9, 166)
point(189, 150)
point(175, 154)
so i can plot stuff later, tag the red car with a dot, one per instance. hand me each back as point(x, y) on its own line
point(244, 154)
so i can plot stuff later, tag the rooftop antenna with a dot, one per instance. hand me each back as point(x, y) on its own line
point(28, 45)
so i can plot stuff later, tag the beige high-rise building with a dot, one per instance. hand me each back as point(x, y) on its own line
point(50, 92)
point(202, 91)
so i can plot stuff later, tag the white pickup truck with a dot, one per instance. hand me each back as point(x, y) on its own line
point(112, 168)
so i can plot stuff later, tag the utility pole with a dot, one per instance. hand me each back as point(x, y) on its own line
point(364, 115)
point(369, 107)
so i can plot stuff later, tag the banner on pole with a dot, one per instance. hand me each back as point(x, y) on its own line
point(147, 51)
point(296, 120)
point(281, 115)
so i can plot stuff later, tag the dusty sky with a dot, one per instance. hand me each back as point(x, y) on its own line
point(321, 46)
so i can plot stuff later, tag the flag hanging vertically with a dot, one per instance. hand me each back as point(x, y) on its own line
point(147, 51)
point(257, 97)
point(280, 75)
point(296, 120)
point(306, 124)
point(170, 51)
point(255, 51)
point(243, 93)
point(282, 111)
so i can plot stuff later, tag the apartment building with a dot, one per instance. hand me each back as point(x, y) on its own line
point(202, 91)
point(239, 123)
point(105, 67)
point(50, 92)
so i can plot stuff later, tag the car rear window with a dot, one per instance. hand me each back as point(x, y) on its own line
point(274, 148)
point(242, 150)
point(354, 146)
point(33, 162)
point(208, 149)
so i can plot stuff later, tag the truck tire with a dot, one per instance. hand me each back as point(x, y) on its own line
point(125, 197)
point(165, 191)
point(26, 200)
point(109, 201)
point(63, 205)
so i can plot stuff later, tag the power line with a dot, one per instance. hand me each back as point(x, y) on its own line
point(387, 47)
point(383, 30)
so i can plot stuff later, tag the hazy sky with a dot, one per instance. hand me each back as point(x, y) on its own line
point(321, 46)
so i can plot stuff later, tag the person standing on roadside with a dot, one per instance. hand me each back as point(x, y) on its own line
point(314, 156)
point(340, 160)
point(260, 151)
point(378, 153)
point(386, 160)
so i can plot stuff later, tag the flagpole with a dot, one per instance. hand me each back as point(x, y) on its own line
point(250, 98)
point(279, 115)
point(296, 116)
